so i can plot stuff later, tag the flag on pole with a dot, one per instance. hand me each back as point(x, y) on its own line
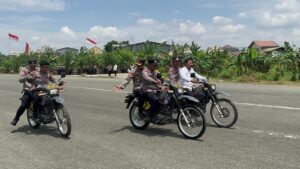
point(12, 36)
point(91, 41)
point(27, 48)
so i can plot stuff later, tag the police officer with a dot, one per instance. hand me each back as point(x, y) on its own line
point(149, 87)
point(27, 75)
point(136, 75)
point(41, 79)
point(173, 72)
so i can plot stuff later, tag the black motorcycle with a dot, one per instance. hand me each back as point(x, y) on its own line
point(190, 120)
point(223, 111)
point(51, 108)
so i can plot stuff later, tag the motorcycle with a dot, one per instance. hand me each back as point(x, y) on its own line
point(223, 111)
point(51, 108)
point(190, 121)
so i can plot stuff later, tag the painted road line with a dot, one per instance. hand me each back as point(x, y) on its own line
point(269, 106)
point(246, 104)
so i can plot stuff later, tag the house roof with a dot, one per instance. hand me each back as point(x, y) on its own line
point(273, 49)
point(264, 44)
point(66, 48)
point(147, 42)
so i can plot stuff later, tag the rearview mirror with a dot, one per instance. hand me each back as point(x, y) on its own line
point(193, 75)
point(158, 75)
point(62, 74)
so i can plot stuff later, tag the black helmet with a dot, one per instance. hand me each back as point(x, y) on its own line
point(32, 61)
point(152, 61)
point(44, 63)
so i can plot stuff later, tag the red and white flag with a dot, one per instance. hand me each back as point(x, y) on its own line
point(12, 36)
point(27, 48)
point(91, 41)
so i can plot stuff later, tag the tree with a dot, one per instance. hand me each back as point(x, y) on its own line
point(291, 61)
point(109, 46)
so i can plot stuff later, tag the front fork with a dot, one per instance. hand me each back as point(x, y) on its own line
point(181, 111)
point(56, 118)
point(215, 102)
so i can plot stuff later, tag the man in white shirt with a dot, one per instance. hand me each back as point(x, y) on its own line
point(186, 80)
point(115, 69)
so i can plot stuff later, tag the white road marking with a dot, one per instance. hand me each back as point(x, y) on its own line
point(247, 104)
point(276, 134)
point(269, 106)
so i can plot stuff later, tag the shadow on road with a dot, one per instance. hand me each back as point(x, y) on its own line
point(153, 132)
point(216, 126)
point(42, 130)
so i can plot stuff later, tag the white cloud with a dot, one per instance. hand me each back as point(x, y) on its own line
point(226, 24)
point(190, 27)
point(146, 21)
point(242, 15)
point(233, 28)
point(99, 31)
point(296, 32)
point(268, 19)
point(67, 31)
point(288, 6)
point(32, 5)
point(220, 20)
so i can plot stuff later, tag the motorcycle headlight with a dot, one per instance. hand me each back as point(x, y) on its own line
point(180, 90)
point(53, 91)
point(213, 87)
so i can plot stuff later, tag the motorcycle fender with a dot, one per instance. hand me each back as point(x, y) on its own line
point(129, 100)
point(190, 98)
point(59, 100)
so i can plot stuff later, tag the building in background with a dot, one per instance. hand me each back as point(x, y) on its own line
point(65, 50)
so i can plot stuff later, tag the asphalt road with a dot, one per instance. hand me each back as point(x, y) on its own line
point(267, 134)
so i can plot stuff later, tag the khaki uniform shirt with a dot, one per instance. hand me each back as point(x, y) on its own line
point(173, 74)
point(149, 81)
point(24, 72)
point(42, 79)
point(137, 78)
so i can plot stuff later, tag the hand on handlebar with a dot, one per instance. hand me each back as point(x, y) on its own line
point(61, 83)
point(158, 81)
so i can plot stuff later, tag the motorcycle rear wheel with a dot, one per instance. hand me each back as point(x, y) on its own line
point(135, 119)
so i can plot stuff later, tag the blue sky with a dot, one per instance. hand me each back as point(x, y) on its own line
point(61, 23)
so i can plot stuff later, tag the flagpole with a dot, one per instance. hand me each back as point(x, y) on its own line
point(8, 46)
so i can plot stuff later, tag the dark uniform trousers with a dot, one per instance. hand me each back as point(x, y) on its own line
point(25, 102)
point(153, 99)
point(139, 94)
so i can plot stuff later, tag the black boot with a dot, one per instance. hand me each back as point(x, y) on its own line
point(19, 113)
point(14, 122)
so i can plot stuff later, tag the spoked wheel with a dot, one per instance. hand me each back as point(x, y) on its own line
point(135, 119)
point(224, 113)
point(194, 125)
point(31, 122)
point(63, 121)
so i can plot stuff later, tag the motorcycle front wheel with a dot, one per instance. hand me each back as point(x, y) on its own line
point(63, 121)
point(192, 123)
point(31, 122)
point(135, 119)
point(224, 113)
